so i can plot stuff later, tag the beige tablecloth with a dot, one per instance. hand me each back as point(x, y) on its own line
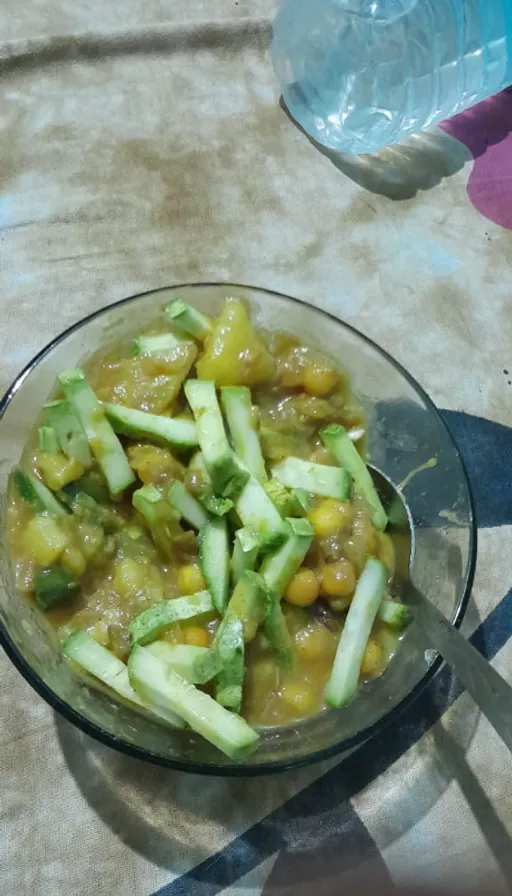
point(143, 144)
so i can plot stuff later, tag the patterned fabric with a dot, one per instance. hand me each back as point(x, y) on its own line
point(143, 144)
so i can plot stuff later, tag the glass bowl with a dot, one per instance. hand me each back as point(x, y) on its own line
point(405, 432)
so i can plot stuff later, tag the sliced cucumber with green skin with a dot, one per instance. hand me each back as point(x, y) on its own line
point(188, 320)
point(318, 479)
point(214, 560)
point(338, 442)
point(160, 344)
point(278, 569)
point(103, 442)
point(259, 514)
point(275, 629)
point(72, 439)
point(35, 493)
point(196, 664)
point(47, 440)
point(229, 645)
point(370, 589)
point(160, 518)
point(280, 496)
point(204, 489)
point(301, 502)
point(394, 614)
point(207, 666)
point(149, 676)
point(174, 431)
point(54, 586)
point(187, 506)
point(245, 553)
point(83, 650)
point(227, 476)
point(151, 623)
point(247, 604)
point(237, 406)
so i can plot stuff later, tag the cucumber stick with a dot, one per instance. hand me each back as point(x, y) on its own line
point(53, 586)
point(318, 479)
point(227, 476)
point(187, 506)
point(174, 431)
point(259, 514)
point(342, 684)
point(160, 344)
point(195, 664)
point(103, 442)
point(36, 493)
point(188, 320)
point(47, 440)
point(83, 650)
point(338, 442)
point(150, 677)
point(150, 624)
point(229, 646)
point(72, 439)
point(245, 553)
point(214, 560)
point(394, 614)
point(279, 568)
point(237, 406)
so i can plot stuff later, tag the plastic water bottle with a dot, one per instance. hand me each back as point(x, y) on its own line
point(361, 74)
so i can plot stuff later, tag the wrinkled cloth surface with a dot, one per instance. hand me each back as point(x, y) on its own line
point(143, 144)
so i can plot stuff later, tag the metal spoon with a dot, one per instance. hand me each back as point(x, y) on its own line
point(489, 690)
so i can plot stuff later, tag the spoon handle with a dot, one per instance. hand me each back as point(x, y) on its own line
point(489, 690)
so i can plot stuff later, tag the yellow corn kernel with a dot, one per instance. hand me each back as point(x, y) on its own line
point(318, 379)
point(196, 636)
point(190, 580)
point(330, 517)
point(130, 577)
point(45, 540)
point(58, 470)
point(314, 643)
point(372, 658)
point(298, 695)
point(303, 589)
point(74, 561)
point(338, 579)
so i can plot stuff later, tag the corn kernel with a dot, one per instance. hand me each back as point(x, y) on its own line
point(330, 517)
point(314, 643)
point(190, 580)
point(303, 589)
point(196, 636)
point(338, 579)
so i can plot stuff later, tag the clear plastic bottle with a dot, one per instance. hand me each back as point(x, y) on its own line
point(361, 74)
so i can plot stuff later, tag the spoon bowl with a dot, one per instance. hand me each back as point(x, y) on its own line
point(489, 690)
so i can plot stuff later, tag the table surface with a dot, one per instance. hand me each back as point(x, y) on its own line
point(143, 144)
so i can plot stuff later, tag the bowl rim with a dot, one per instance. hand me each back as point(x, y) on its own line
point(268, 767)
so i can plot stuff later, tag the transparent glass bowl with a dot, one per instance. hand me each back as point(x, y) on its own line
point(404, 432)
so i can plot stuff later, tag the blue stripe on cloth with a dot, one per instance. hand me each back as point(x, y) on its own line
point(294, 825)
point(484, 445)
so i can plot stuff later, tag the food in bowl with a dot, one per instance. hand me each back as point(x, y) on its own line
point(194, 516)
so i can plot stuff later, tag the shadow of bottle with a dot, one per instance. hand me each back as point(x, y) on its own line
point(422, 161)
